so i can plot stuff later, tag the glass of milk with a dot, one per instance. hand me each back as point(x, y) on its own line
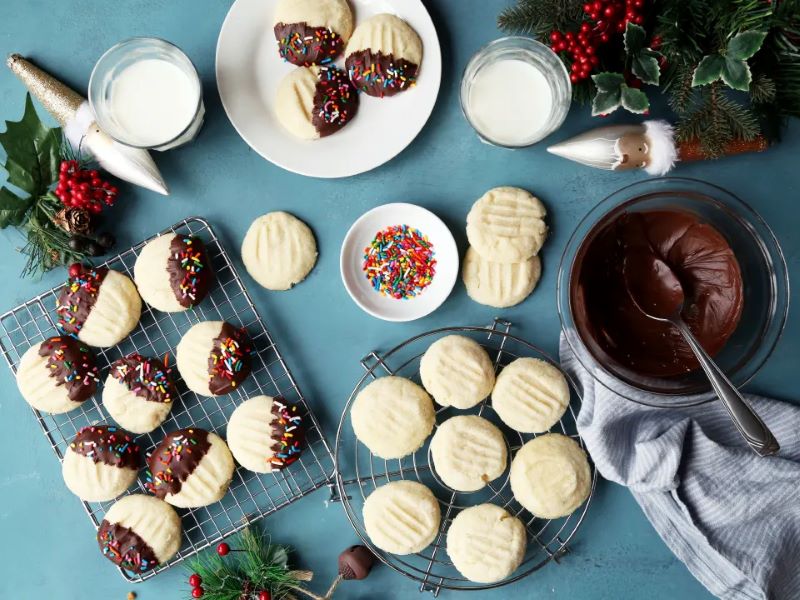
point(515, 91)
point(145, 92)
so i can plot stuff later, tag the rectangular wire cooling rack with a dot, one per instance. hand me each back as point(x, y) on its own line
point(251, 496)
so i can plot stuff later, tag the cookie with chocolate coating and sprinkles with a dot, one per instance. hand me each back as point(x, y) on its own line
point(312, 32)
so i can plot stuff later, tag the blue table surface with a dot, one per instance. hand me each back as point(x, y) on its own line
point(48, 548)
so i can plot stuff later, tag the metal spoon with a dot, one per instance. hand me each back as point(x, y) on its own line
point(657, 291)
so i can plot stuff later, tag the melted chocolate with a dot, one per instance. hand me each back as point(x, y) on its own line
point(125, 548)
point(612, 324)
point(72, 364)
point(189, 270)
point(378, 74)
point(303, 45)
point(174, 459)
point(335, 101)
point(229, 362)
point(108, 445)
point(288, 434)
point(355, 562)
point(77, 298)
point(147, 378)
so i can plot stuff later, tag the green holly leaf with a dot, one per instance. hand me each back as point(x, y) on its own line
point(709, 70)
point(646, 68)
point(634, 100)
point(736, 74)
point(606, 102)
point(13, 208)
point(33, 152)
point(608, 82)
point(634, 38)
point(744, 45)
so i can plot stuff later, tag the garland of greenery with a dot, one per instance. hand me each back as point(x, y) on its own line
point(730, 69)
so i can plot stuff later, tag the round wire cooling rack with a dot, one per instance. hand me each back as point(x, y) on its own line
point(359, 473)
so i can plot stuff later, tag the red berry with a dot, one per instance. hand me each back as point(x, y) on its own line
point(75, 269)
point(63, 166)
point(555, 36)
point(609, 10)
point(113, 189)
point(597, 5)
point(585, 27)
point(198, 592)
point(638, 3)
point(638, 19)
point(573, 77)
point(604, 38)
point(195, 580)
point(264, 595)
point(587, 8)
point(94, 174)
point(621, 26)
point(594, 60)
point(95, 208)
point(223, 549)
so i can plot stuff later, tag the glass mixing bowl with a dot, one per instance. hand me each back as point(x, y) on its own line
point(764, 274)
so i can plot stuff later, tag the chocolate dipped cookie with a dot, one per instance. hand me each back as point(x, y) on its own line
point(312, 32)
point(213, 358)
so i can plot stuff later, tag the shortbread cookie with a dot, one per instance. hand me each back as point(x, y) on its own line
point(499, 284)
point(507, 225)
point(57, 375)
point(392, 416)
point(173, 273)
point(279, 250)
point(457, 371)
point(100, 463)
point(530, 395)
point(315, 102)
point(190, 468)
point(550, 476)
point(312, 32)
point(213, 358)
point(139, 392)
point(402, 517)
point(265, 434)
point(384, 56)
point(140, 532)
point(468, 452)
point(100, 307)
point(486, 543)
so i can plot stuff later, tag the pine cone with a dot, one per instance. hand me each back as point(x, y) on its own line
point(74, 220)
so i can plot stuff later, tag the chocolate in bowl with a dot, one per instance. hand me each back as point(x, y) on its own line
point(741, 343)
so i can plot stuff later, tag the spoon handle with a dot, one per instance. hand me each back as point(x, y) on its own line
point(755, 432)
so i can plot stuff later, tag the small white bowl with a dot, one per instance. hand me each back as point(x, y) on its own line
point(360, 237)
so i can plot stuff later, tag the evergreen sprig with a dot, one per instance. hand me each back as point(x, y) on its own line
point(540, 17)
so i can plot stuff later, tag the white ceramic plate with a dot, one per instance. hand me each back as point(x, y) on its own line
point(249, 70)
point(361, 235)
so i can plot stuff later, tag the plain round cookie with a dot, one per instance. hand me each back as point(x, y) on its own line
point(468, 452)
point(315, 102)
point(457, 371)
point(392, 416)
point(499, 284)
point(530, 395)
point(311, 32)
point(506, 225)
point(57, 375)
point(486, 543)
point(190, 468)
point(265, 434)
point(100, 307)
point(402, 517)
point(139, 392)
point(101, 462)
point(550, 476)
point(213, 358)
point(383, 56)
point(173, 272)
point(139, 532)
point(279, 250)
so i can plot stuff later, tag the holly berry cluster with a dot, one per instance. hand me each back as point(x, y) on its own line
point(196, 581)
point(604, 18)
point(83, 188)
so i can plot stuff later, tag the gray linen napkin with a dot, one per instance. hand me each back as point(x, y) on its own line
point(732, 517)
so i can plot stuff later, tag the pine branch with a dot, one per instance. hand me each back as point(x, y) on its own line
point(540, 17)
point(678, 87)
point(762, 89)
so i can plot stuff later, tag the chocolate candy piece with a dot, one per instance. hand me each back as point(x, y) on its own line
point(356, 562)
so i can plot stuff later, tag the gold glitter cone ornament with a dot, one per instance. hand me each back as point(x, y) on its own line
point(73, 113)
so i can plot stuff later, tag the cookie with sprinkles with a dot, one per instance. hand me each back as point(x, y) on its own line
point(138, 392)
point(100, 463)
point(266, 434)
point(213, 358)
point(383, 57)
point(312, 32)
point(173, 272)
point(99, 307)
point(57, 375)
point(315, 102)
point(139, 532)
point(190, 468)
